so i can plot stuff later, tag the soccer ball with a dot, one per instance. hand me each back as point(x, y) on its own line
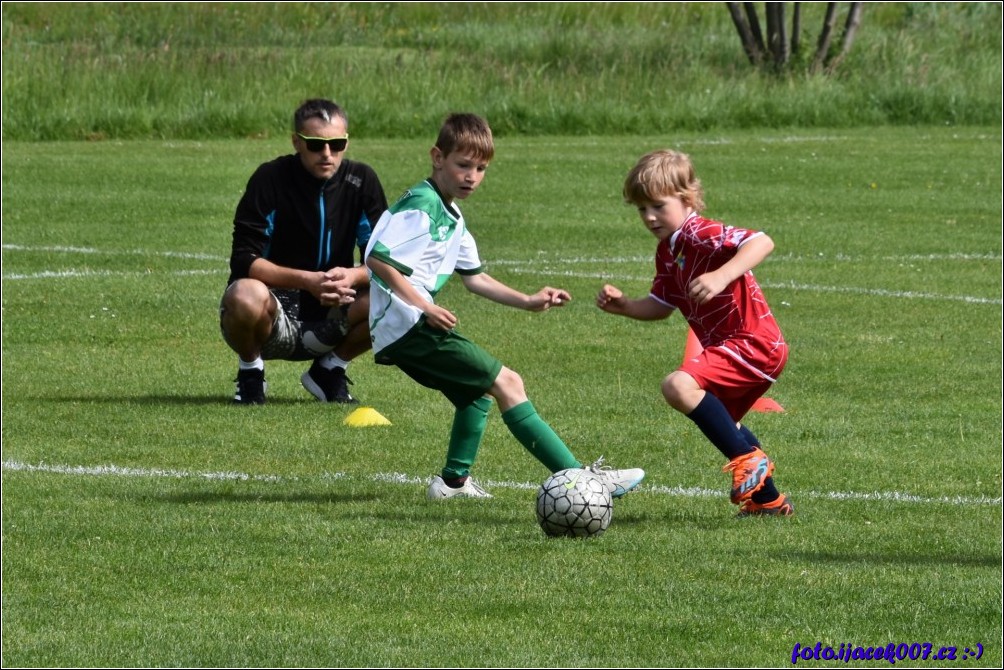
point(574, 503)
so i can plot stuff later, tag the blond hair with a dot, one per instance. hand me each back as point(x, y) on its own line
point(663, 173)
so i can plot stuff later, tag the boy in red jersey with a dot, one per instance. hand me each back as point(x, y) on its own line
point(704, 269)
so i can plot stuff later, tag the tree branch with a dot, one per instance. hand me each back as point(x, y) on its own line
point(825, 36)
point(847, 39)
point(796, 29)
point(754, 25)
point(776, 40)
point(745, 34)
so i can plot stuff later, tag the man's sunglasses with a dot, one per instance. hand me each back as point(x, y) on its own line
point(316, 144)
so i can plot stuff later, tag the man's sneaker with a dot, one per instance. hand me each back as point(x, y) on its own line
point(780, 507)
point(250, 387)
point(618, 482)
point(749, 472)
point(438, 490)
point(328, 385)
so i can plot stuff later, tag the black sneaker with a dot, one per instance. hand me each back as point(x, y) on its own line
point(328, 385)
point(250, 387)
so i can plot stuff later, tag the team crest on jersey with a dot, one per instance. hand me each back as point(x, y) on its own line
point(734, 236)
point(442, 232)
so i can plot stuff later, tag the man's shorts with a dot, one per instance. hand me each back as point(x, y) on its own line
point(445, 361)
point(295, 340)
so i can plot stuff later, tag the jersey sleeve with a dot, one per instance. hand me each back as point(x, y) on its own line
point(374, 205)
point(468, 262)
point(664, 280)
point(253, 224)
point(399, 239)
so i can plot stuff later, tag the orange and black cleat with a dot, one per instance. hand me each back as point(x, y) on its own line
point(780, 507)
point(749, 472)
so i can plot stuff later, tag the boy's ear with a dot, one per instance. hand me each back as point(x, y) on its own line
point(437, 157)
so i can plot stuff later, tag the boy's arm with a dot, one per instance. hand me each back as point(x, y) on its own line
point(748, 256)
point(486, 286)
point(612, 300)
point(435, 316)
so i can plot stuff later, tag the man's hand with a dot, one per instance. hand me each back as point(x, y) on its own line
point(335, 288)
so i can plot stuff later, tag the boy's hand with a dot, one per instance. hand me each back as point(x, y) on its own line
point(609, 298)
point(707, 286)
point(548, 297)
point(438, 317)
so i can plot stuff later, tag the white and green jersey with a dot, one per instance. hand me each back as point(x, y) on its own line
point(426, 241)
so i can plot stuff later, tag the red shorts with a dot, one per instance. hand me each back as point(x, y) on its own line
point(735, 384)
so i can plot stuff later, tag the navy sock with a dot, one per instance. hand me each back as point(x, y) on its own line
point(767, 493)
point(716, 424)
point(750, 438)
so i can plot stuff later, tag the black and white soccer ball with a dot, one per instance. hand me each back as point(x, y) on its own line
point(574, 503)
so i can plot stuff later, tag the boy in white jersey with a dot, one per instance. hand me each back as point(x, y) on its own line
point(414, 249)
point(704, 270)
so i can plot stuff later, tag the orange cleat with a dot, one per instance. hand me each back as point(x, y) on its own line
point(780, 507)
point(749, 472)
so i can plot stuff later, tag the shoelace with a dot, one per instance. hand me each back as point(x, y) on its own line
point(743, 463)
point(477, 487)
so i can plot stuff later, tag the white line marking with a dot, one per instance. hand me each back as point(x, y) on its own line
point(405, 479)
point(876, 292)
point(541, 257)
point(544, 265)
point(73, 274)
point(116, 252)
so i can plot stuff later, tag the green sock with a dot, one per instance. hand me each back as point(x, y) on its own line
point(465, 438)
point(538, 438)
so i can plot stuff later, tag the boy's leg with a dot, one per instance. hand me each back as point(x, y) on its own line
point(700, 390)
point(718, 426)
point(538, 438)
point(469, 424)
point(769, 492)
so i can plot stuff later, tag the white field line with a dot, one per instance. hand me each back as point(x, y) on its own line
point(76, 274)
point(544, 266)
point(117, 252)
point(398, 478)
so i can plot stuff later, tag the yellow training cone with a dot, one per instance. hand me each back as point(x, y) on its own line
point(366, 416)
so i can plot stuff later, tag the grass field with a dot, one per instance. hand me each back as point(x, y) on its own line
point(147, 522)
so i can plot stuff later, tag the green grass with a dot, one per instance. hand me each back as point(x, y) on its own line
point(147, 522)
point(207, 70)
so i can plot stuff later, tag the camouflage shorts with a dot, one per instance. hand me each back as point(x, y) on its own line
point(294, 340)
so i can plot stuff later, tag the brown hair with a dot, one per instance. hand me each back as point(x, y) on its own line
point(468, 133)
point(317, 108)
point(664, 173)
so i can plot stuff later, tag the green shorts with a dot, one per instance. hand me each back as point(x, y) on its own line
point(444, 361)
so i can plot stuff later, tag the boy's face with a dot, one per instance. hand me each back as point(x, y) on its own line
point(664, 216)
point(457, 174)
point(323, 163)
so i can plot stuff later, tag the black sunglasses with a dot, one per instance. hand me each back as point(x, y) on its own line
point(316, 144)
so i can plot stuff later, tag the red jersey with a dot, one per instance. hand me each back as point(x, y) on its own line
point(738, 320)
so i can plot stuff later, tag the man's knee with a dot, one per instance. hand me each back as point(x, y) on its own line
point(247, 302)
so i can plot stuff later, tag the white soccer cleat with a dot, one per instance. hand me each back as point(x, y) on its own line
point(438, 490)
point(618, 482)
